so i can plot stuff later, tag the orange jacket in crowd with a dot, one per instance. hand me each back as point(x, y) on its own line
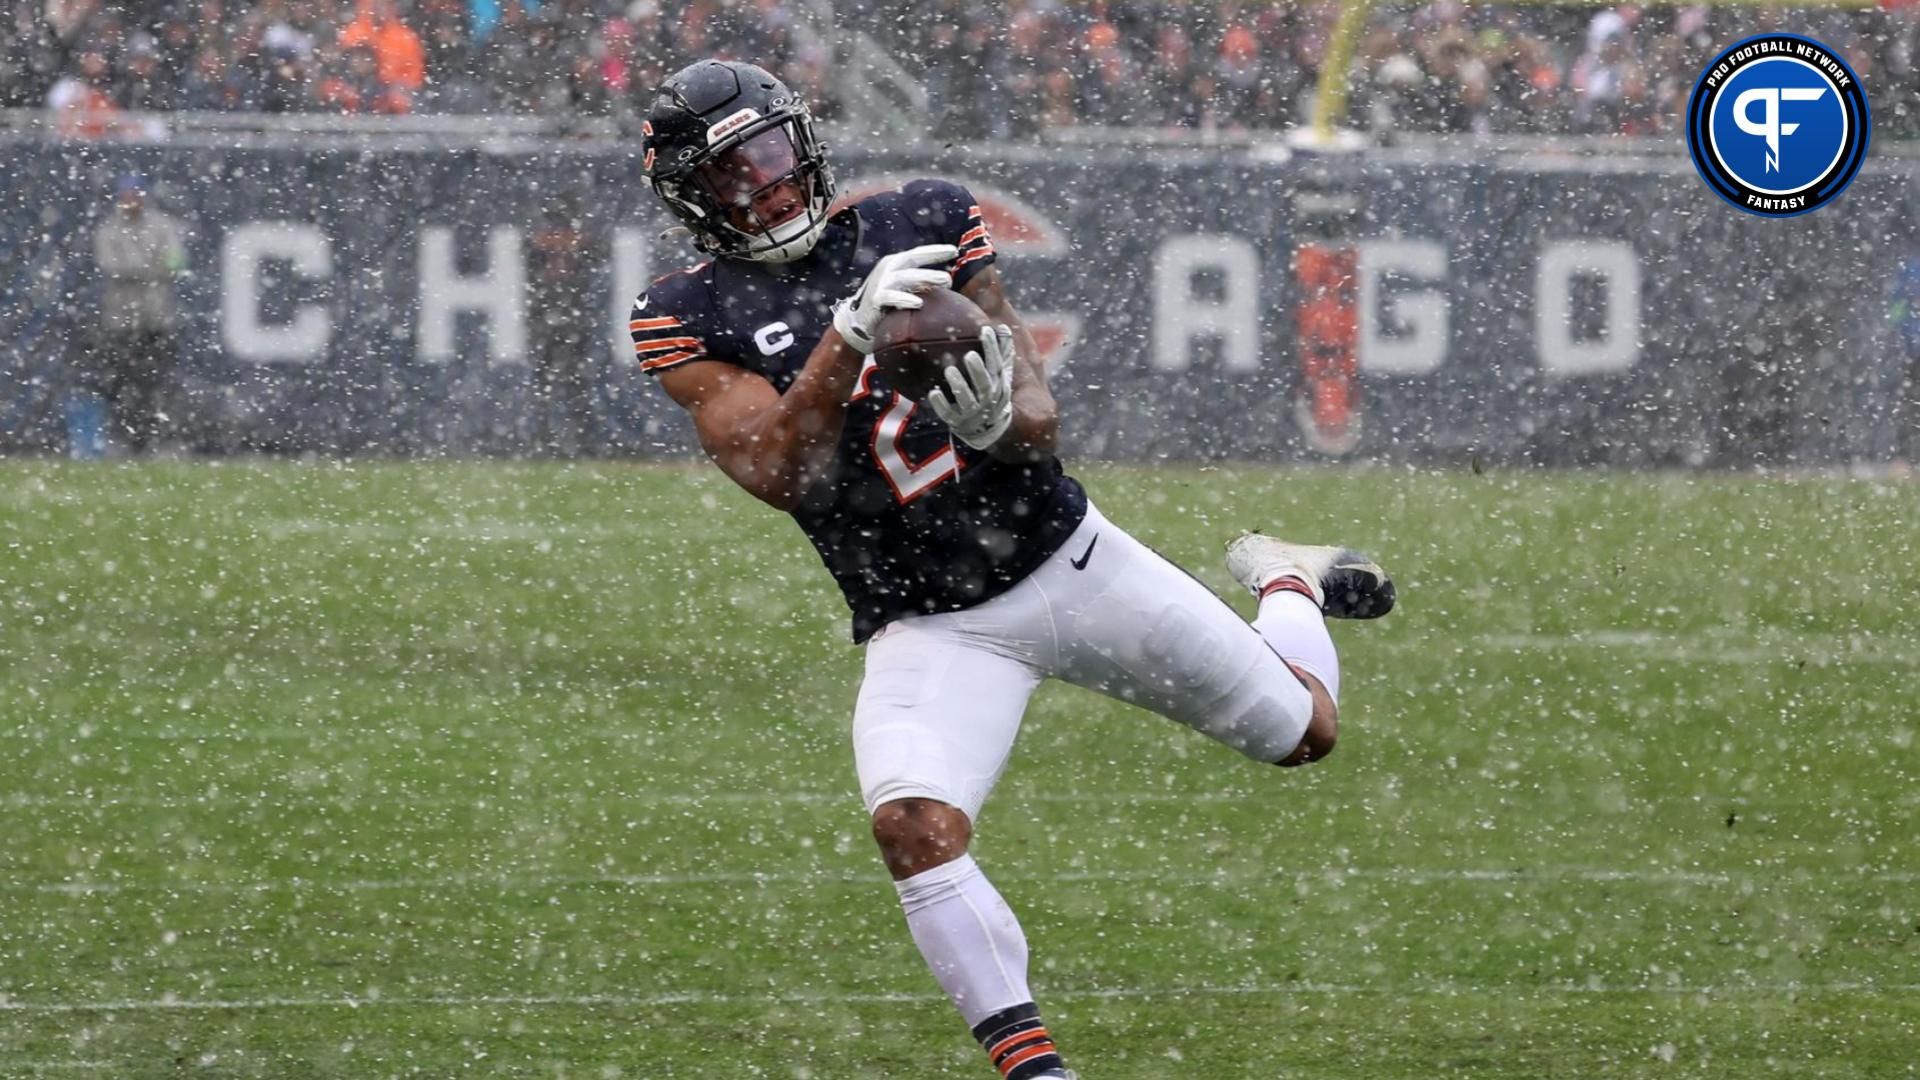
point(403, 60)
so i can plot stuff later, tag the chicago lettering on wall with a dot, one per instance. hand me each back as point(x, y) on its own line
point(1511, 309)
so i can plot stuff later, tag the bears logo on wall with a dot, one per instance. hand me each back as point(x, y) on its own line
point(1019, 229)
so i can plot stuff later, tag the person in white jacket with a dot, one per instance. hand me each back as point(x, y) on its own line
point(140, 253)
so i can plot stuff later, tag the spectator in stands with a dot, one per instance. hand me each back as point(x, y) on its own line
point(1674, 60)
point(804, 58)
point(511, 58)
point(400, 58)
point(216, 85)
point(1238, 69)
point(1031, 103)
point(691, 31)
point(454, 80)
point(142, 85)
point(1110, 93)
point(965, 73)
point(82, 102)
point(546, 62)
point(575, 21)
point(482, 17)
point(1389, 101)
point(1446, 54)
point(352, 84)
point(1298, 42)
point(612, 51)
point(80, 24)
point(583, 92)
point(1169, 73)
point(286, 85)
point(527, 61)
point(1610, 87)
point(30, 56)
point(176, 39)
point(288, 27)
point(1524, 82)
point(1460, 82)
point(650, 56)
point(139, 252)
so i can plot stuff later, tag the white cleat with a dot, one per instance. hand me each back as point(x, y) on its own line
point(1345, 583)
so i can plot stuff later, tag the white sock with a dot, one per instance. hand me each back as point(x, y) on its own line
point(1293, 625)
point(969, 936)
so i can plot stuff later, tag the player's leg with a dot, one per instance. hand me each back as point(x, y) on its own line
point(1298, 587)
point(938, 711)
point(1135, 626)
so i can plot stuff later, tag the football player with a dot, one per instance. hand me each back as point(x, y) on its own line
point(973, 565)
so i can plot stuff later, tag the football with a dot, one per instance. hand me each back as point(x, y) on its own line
point(913, 348)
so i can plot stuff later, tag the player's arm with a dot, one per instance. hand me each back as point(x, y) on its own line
point(772, 444)
point(1034, 434)
point(777, 445)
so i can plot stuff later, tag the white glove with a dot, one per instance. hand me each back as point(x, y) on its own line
point(978, 402)
point(891, 286)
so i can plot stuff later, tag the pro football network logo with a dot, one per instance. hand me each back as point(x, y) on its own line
point(1778, 125)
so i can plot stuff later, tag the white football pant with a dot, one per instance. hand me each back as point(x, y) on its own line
point(943, 694)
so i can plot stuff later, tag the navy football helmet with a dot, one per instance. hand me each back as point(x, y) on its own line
point(731, 150)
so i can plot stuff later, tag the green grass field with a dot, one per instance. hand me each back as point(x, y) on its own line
point(322, 770)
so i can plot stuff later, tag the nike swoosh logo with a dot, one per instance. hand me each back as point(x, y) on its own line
point(1081, 562)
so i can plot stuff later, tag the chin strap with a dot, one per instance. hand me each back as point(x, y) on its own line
point(795, 247)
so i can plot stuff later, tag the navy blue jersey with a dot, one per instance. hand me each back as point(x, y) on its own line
point(907, 519)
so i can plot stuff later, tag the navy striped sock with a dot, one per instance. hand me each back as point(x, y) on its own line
point(1017, 1042)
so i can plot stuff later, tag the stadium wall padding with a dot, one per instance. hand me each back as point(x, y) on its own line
point(1513, 309)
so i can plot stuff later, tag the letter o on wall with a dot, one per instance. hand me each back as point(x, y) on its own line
point(1559, 355)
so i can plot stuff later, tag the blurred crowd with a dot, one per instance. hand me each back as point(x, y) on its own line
point(993, 69)
point(93, 60)
point(1010, 70)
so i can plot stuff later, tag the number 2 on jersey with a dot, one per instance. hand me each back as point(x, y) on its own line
point(909, 479)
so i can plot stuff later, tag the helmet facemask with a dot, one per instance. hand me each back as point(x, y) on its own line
point(759, 192)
